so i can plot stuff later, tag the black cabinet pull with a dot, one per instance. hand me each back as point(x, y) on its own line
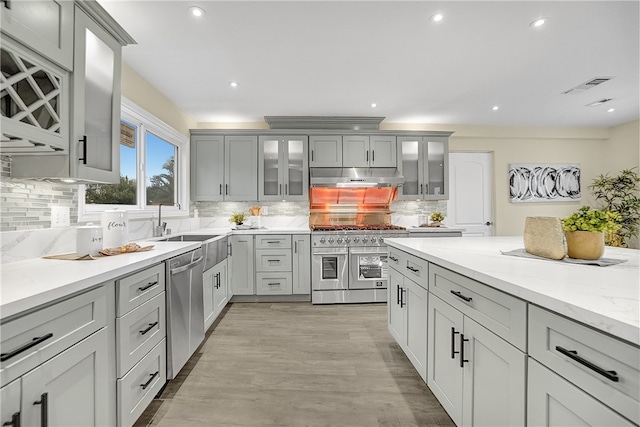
point(7, 4)
point(27, 346)
point(145, 385)
point(367, 159)
point(398, 294)
point(84, 149)
point(151, 326)
point(453, 342)
point(402, 294)
point(279, 189)
point(44, 409)
point(286, 189)
point(217, 280)
point(15, 420)
point(421, 192)
point(462, 359)
point(394, 259)
point(274, 284)
point(459, 295)
point(312, 155)
point(572, 354)
point(415, 270)
point(373, 156)
point(273, 260)
point(226, 189)
point(221, 189)
point(149, 285)
point(295, 247)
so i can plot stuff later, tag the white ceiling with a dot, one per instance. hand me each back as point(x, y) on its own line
point(337, 58)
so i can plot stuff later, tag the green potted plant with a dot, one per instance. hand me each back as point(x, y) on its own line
point(620, 194)
point(584, 230)
point(436, 219)
point(237, 218)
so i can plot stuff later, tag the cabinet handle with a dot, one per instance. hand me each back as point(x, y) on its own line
point(217, 280)
point(145, 385)
point(150, 285)
point(221, 189)
point(273, 241)
point(151, 326)
point(415, 270)
point(230, 249)
point(226, 189)
point(453, 342)
point(462, 359)
point(84, 149)
point(286, 189)
point(373, 156)
point(402, 294)
point(295, 246)
point(273, 260)
point(279, 189)
point(312, 155)
point(27, 346)
point(398, 294)
point(15, 420)
point(421, 192)
point(44, 409)
point(274, 284)
point(573, 354)
point(426, 188)
point(394, 259)
point(459, 295)
point(7, 4)
point(367, 158)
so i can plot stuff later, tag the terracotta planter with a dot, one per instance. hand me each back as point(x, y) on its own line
point(585, 244)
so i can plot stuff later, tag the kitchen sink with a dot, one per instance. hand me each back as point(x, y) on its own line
point(214, 246)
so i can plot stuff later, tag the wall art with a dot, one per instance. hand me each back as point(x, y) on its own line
point(544, 182)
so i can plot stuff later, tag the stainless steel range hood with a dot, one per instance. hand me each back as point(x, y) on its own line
point(355, 177)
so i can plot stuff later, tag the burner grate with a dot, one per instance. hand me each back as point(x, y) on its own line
point(356, 227)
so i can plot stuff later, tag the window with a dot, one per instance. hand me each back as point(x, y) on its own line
point(153, 160)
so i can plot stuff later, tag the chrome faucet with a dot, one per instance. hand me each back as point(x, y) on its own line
point(159, 230)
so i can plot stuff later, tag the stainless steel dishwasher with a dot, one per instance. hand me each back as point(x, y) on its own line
point(185, 309)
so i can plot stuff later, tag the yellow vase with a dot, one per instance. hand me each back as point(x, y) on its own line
point(585, 244)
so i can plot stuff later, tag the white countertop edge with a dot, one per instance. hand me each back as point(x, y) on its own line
point(600, 321)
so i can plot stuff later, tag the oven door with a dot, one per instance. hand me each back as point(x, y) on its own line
point(368, 268)
point(329, 269)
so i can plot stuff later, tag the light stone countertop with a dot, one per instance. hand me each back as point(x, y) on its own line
point(605, 298)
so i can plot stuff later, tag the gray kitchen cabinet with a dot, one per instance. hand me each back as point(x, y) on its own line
point(35, 99)
point(224, 168)
point(207, 168)
point(424, 163)
point(45, 26)
point(407, 314)
point(301, 261)
point(475, 368)
point(283, 168)
point(369, 151)
point(242, 265)
point(325, 151)
point(215, 292)
point(273, 265)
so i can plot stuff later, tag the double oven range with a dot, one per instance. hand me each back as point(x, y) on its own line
point(349, 262)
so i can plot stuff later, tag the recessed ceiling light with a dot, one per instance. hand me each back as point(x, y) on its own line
point(233, 84)
point(374, 105)
point(437, 17)
point(196, 11)
point(611, 110)
point(538, 22)
point(495, 108)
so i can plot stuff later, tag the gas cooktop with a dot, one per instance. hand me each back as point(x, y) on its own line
point(355, 227)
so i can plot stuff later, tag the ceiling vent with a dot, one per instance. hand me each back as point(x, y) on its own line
point(600, 102)
point(588, 85)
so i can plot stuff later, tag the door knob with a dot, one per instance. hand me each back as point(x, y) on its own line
point(488, 223)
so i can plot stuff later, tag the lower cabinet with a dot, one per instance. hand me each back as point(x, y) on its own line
point(407, 314)
point(69, 389)
point(555, 402)
point(215, 292)
point(301, 267)
point(477, 376)
point(242, 265)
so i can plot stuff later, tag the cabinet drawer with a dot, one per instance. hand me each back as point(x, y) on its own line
point(503, 314)
point(138, 331)
point(394, 258)
point(566, 346)
point(46, 332)
point(139, 287)
point(138, 388)
point(415, 268)
point(273, 241)
point(273, 260)
point(274, 284)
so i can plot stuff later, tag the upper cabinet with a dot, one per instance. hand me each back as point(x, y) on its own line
point(224, 168)
point(369, 151)
point(325, 151)
point(46, 26)
point(283, 168)
point(424, 163)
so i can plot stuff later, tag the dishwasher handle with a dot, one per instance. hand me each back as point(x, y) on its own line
point(187, 267)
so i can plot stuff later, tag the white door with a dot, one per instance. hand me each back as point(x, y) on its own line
point(470, 203)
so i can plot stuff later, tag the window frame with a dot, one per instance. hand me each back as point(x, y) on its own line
point(146, 122)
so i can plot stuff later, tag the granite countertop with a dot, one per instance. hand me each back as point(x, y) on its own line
point(606, 298)
point(31, 283)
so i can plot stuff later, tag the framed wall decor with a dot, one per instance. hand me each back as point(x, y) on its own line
point(544, 182)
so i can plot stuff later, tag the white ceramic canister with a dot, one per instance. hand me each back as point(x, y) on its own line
point(88, 240)
point(115, 228)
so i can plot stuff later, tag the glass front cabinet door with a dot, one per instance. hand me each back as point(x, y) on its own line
point(283, 168)
point(424, 163)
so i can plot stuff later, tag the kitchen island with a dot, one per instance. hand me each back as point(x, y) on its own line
point(504, 340)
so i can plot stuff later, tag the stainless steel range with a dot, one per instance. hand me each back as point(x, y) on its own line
point(350, 263)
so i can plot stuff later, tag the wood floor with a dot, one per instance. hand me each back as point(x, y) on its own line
point(297, 364)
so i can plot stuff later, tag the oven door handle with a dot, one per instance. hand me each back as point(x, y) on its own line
point(369, 252)
point(345, 252)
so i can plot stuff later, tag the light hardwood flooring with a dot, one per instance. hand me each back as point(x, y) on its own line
point(297, 364)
